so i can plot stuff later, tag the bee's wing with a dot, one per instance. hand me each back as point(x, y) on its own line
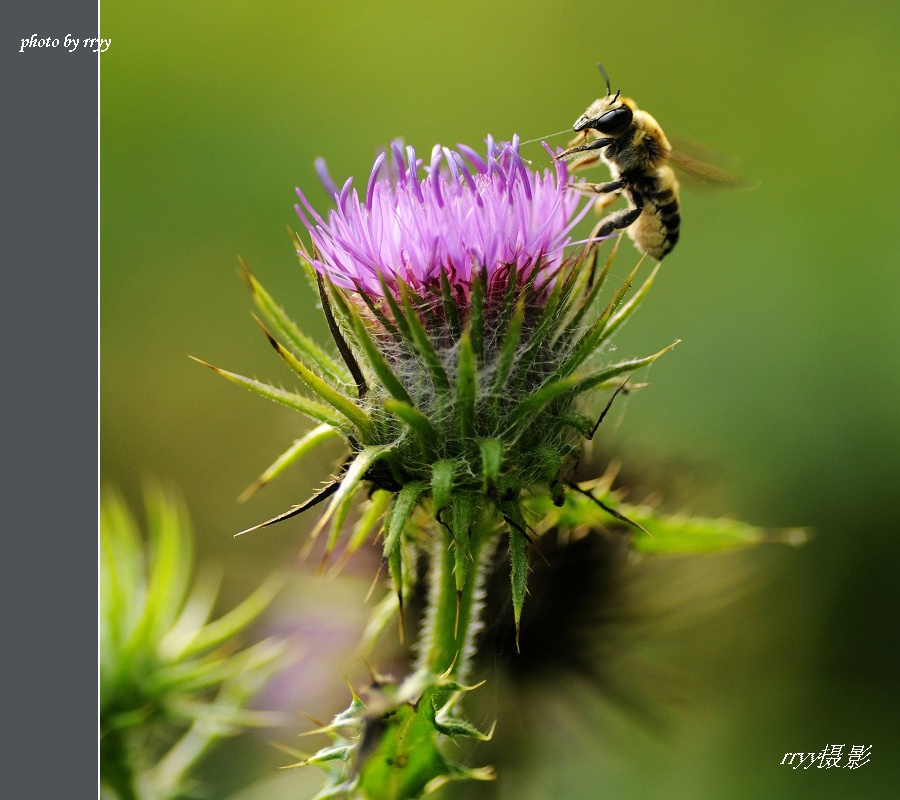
point(700, 175)
point(693, 165)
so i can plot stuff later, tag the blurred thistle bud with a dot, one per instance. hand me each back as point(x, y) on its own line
point(172, 683)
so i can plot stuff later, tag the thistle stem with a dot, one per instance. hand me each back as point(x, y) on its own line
point(453, 616)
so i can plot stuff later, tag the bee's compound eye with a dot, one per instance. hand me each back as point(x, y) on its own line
point(615, 121)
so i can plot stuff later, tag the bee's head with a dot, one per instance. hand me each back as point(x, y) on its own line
point(611, 115)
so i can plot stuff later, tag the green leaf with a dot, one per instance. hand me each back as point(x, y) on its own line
point(449, 300)
point(466, 376)
point(298, 402)
point(624, 367)
point(476, 312)
point(399, 514)
point(518, 560)
point(628, 309)
point(418, 424)
point(373, 511)
point(491, 461)
point(300, 448)
point(284, 327)
point(355, 473)
point(396, 311)
point(377, 361)
point(506, 358)
point(340, 402)
point(669, 533)
point(171, 560)
point(465, 509)
point(537, 401)
point(591, 339)
point(443, 474)
point(422, 343)
point(338, 519)
point(570, 324)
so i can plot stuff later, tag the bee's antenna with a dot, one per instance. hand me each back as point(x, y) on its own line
point(546, 136)
point(605, 77)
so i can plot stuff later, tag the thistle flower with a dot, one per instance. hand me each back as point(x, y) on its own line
point(462, 313)
point(469, 325)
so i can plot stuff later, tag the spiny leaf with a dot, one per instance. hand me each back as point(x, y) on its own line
point(373, 354)
point(443, 474)
point(449, 300)
point(323, 494)
point(355, 473)
point(286, 328)
point(294, 453)
point(293, 400)
point(417, 422)
point(340, 402)
point(476, 313)
point(591, 339)
point(399, 514)
point(341, 512)
point(535, 402)
point(339, 341)
point(518, 559)
point(456, 726)
point(507, 355)
point(373, 511)
point(464, 511)
point(491, 461)
point(422, 343)
point(466, 376)
point(396, 311)
point(592, 381)
point(628, 309)
point(571, 324)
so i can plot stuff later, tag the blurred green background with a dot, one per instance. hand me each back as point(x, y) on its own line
point(780, 406)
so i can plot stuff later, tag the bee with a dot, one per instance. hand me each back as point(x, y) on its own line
point(640, 160)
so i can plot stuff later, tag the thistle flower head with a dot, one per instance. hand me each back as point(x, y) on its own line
point(468, 328)
point(468, 213)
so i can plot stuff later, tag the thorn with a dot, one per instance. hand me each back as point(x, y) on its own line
point(339, 341)
point(609, 510)
point(353, 695)
point(317, 498)
point(529, 533)
point(313, 720)
point(251, 490)
point(401, 627)
point(374, 581)
point(449, 671)
point(206, 364)
point(619, 388)
point(518, 649)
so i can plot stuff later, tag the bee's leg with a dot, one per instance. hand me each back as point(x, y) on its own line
point(603, 202)
point(597, 144)
point(609, 193)
point(621, 219)
point(601, 188)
